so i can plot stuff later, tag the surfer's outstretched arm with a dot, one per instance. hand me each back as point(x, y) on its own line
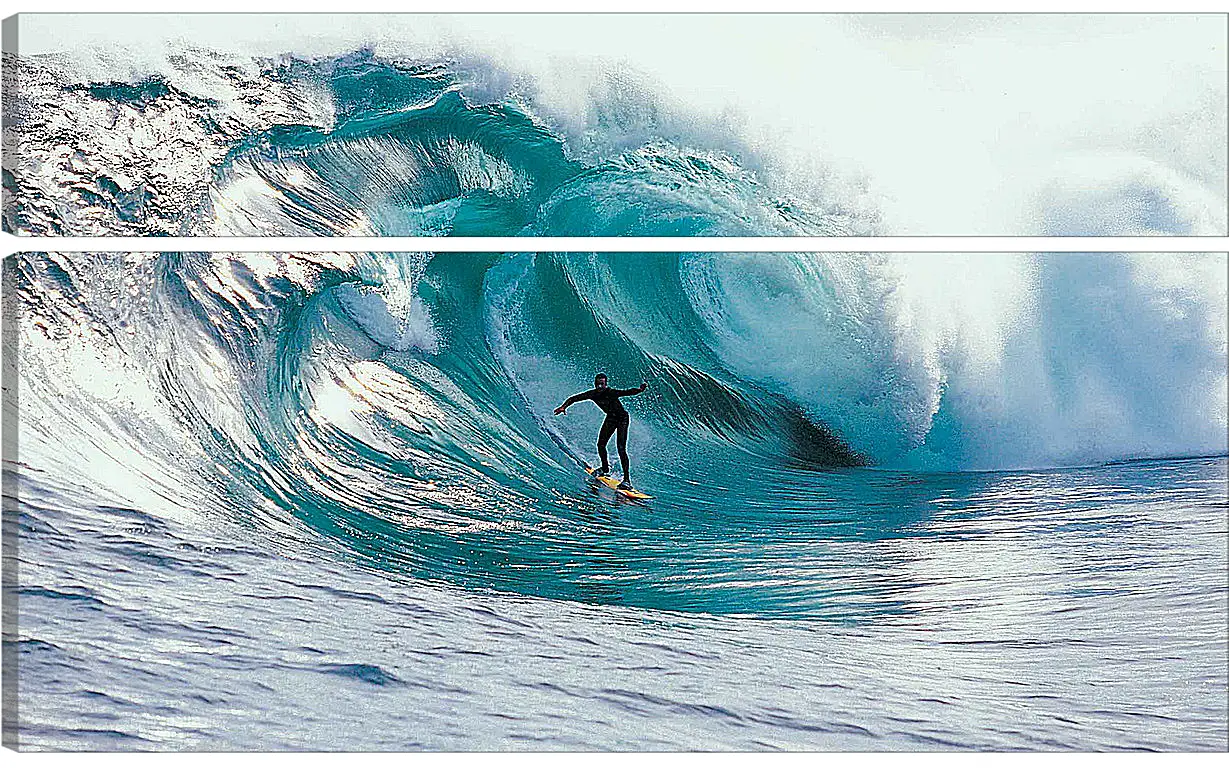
point(633, 391)
point(573, 400)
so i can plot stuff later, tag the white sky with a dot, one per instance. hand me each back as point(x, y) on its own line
point(955, 119)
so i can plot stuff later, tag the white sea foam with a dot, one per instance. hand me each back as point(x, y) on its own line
point(983, 360)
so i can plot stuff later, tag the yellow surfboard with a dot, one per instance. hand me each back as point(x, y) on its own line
point(613, 485)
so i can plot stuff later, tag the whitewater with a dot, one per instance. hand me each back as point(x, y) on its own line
point(320, 501)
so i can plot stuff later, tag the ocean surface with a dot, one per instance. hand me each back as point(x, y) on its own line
point(319, 501)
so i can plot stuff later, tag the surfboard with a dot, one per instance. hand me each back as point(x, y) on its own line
point(613, 485)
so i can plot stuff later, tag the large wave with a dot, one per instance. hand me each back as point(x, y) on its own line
point(399, 405)
point(210, 143)
point(356, 144)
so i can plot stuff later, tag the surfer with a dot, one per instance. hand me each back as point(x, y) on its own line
point(617, 420)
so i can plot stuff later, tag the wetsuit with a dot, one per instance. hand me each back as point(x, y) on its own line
point(617, 420)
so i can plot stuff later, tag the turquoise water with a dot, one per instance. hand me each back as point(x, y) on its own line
point(320, 501)
point(412, 150)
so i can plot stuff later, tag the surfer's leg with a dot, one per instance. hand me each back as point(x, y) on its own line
point(603, 437)
point(622, 443)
